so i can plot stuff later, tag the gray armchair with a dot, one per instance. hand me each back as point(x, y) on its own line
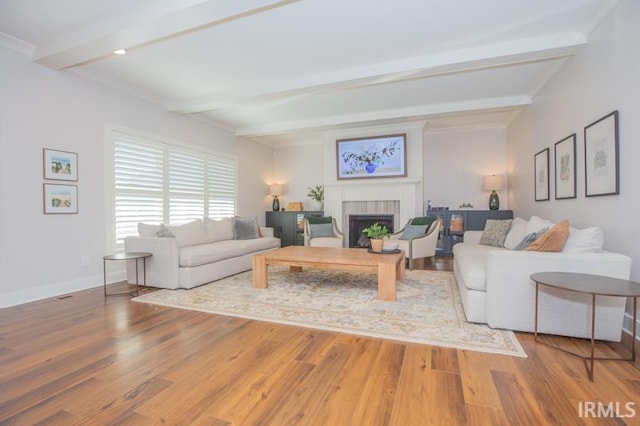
point(322, 232)
point(417, 245)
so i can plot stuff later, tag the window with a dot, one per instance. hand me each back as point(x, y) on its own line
point(157, 182)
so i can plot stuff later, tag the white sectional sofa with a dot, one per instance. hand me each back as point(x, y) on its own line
point(198, 252)
point(495, 287)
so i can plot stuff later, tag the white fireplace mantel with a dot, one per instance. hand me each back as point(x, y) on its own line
point(405, 191)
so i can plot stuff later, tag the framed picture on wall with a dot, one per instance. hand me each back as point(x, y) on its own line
point(60, 165)
point(541, 175)
point(372, 157)
point(60, 199)
point(565, 168)
point(601, 157)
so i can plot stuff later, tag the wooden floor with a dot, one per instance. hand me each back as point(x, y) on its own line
point(82, 359)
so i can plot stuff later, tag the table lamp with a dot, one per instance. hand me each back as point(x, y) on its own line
point(276, 189)
point(493, 183)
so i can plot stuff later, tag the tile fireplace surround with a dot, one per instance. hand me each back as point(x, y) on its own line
point(397, 197)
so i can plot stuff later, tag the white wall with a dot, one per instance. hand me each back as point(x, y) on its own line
point(298, 167)
point(601, 78)
point(455, 163)
point(41, 255)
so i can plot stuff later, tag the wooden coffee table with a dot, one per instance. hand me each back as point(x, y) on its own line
point(389, 266)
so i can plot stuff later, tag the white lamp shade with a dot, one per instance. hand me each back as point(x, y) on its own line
point(493, 183)
point(276, 189)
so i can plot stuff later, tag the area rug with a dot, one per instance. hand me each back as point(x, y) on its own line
point(428, 309)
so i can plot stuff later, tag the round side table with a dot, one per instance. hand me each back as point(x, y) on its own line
point(136, 256)
point(595, 285)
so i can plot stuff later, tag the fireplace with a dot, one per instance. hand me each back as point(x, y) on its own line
point(358, 222)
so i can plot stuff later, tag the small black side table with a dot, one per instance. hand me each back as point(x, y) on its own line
point(595, 285)
point(137, 256)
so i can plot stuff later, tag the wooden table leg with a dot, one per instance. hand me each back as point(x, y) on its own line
point(259, 266)
point(387, 275)
point(401, 270)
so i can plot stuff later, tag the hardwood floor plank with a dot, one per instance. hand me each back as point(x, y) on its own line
point(479, 388)
point(414, 385)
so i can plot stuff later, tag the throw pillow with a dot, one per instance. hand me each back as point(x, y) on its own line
point(190, 234)
point(516, 233)
point(314, 220)
point(529, 239)
point(245, 228)
point(413, 231)
point(495, 232)
point(553, 240)
point(321, 230)
point(147, 231)
point(218, 230)
point(426, 220)
point(536, 223)
point(585, 240)
point(164, 232)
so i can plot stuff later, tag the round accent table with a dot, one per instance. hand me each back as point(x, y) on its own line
point(595, 285)
point(135, 256)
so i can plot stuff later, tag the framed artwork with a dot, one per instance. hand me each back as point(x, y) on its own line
point(565, 168)
point(60, 165)
point(60, 199)
point(541, 175)
point(601, 157)
point(372, 157)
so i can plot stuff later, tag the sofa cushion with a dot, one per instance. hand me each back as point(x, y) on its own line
point(495, 232)
point(516, 233)
point(212, 252)
point(218, 230)
point(258, 244)
point(553, 240)
point(245, 228)
point(471, 262)
point(585, 240)
point(189, 234)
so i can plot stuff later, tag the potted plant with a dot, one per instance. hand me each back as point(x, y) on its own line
point(376, 234)
point(317, 195)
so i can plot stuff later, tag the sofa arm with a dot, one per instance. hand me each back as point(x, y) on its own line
point(266, 231)
point(472, 237)
point(510, 293)
point(162, 269)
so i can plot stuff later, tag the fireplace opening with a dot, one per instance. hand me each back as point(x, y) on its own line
point(358, 222)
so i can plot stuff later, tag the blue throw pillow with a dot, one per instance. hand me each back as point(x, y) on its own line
point(529, 239)
point(413, 231)
point(321, 230)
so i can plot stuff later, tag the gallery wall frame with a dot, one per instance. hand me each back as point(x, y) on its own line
point(564, 155)
point(60, 199)
point(601, 157)
point(372, 157)
point(541, 175)
point(60, 165)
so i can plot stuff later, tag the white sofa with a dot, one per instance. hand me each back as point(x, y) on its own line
point(495, 287)
point(200, 252)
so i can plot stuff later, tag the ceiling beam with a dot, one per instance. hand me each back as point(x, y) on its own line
point(162, 20)
point(413, 113)
point(459, 60)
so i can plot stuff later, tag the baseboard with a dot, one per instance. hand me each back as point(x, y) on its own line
point(57, 289)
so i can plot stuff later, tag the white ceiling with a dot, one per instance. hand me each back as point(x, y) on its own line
point(284, 71)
